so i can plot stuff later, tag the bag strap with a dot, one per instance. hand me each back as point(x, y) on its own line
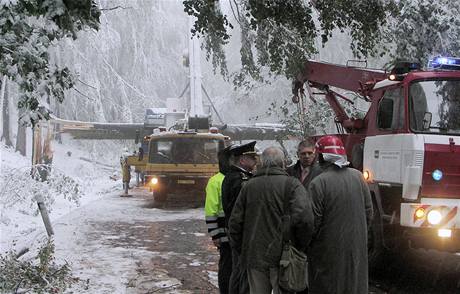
point(286, 218)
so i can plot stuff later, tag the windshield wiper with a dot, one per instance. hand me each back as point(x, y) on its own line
point(443, 129)
point(161, 154)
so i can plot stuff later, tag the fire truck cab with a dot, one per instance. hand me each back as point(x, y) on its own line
point(407, 146)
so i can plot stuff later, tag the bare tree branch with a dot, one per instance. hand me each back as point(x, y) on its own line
point(87, 84)
point(116, 7)
point(76, 90)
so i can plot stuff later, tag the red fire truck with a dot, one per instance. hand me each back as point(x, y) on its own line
point(407, 146)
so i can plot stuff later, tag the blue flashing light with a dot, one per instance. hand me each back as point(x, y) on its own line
point(437, 175)
point(445, 62)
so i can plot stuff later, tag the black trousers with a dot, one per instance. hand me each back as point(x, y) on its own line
point(225, 267)
point(239, 279)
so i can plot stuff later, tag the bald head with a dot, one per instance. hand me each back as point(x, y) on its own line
point(273, 156)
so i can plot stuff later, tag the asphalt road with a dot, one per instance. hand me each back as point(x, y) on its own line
point(418, 271)
point(185, 261)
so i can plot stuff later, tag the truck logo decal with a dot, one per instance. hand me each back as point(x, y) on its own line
point(376, 154)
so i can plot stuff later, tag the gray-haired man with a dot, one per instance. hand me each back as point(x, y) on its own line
point(255, 225)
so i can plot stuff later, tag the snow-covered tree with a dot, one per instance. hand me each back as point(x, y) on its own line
point(277, 36)
point(28, 29)
point(424, 29)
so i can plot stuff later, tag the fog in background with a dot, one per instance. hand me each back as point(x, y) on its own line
point(135, 61)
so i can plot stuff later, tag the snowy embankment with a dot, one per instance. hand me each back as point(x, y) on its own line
point(100, 234)
point(76, 183)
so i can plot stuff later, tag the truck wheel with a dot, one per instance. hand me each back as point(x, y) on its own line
point(375, 247)
point(159, 199)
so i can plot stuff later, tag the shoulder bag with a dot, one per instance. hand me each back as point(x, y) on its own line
point(293, 273)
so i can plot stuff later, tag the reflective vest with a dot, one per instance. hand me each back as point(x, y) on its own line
point(215, 217)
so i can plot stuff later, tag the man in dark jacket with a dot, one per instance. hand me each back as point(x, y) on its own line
point(306, 168)
point(255, 227)
point(215, 220)
point(244, 160)
point(342, 207)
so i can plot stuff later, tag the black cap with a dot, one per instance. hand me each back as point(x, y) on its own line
point(245, 149)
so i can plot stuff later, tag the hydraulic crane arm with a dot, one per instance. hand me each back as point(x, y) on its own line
point(323, 75)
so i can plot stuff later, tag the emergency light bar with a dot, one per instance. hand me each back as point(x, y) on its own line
point(444, 63)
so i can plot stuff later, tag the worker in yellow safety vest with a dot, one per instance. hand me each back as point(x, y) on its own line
point(215, 221)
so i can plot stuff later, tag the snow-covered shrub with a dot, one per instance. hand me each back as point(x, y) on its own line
point(40, 274)
point(19, 186)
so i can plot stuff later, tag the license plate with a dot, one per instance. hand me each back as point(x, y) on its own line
point(186, 182)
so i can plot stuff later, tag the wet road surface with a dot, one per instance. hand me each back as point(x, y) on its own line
point(183, 251)
point(185, 261)
point(419, 272)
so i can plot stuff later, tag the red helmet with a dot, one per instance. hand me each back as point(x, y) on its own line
point(330, 144)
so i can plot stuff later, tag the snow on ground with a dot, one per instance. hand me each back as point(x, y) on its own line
point(106, 260)
point(18, 225)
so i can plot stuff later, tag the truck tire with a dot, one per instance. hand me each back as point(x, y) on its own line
point(375, 247)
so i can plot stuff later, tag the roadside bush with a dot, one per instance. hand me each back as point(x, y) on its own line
point(20, 187)
point(40, 274)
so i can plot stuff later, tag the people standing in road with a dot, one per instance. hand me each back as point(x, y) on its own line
point(255, 227)
point(306, 167)
point(243, 160)
point(215, 220)
point(342, 207)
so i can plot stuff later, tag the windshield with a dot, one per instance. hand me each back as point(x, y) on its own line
point(185, 150)
point(434, 106)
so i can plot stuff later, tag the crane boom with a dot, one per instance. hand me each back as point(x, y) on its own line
point(320, 74)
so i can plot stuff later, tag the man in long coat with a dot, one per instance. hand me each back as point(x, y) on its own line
point(342, 207)
point(255, 227)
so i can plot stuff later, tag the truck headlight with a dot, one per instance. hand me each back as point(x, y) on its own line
point(366, 175)
point(154, 181)
point(434, 217)
point(444, 233)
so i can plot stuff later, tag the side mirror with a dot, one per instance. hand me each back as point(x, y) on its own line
point(427, 120)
